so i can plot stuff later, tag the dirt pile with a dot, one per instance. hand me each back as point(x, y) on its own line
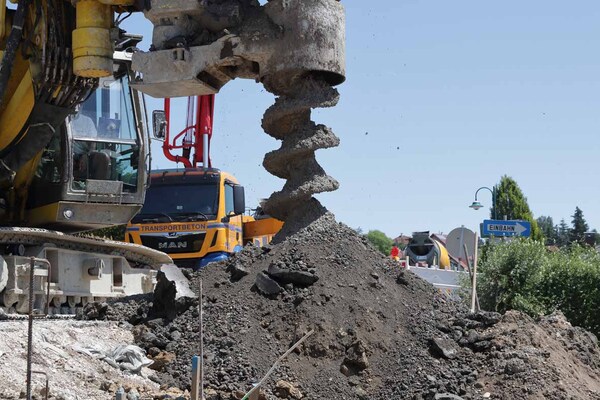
point(380, 333)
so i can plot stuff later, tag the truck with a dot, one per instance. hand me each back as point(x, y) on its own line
point(196, 216)
point(423, 250)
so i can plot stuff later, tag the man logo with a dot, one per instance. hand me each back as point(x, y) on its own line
point(172, 245)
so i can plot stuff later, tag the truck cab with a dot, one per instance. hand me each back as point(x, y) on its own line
point(195, 215)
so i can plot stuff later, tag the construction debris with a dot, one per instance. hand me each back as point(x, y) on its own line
point(129, 358)
point(72, 374)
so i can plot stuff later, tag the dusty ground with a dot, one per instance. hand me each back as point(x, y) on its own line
point(72, 375)
point(380, 333)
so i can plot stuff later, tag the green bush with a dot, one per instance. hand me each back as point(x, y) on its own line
point(380, 241)
point(523, 275)
point(572, 284)
point(511, 275)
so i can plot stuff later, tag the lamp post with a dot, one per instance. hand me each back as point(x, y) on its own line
point(477, 205)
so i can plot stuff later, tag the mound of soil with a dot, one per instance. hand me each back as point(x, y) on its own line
point(379, 332)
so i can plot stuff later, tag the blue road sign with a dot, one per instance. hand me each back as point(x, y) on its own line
point(492, 227)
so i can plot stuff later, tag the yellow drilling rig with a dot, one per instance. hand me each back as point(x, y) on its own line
point(74, 140)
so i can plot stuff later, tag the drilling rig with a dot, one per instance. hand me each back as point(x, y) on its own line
point(58, 56)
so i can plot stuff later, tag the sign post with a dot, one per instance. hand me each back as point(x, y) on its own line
point(474, 302)
point(499, 228)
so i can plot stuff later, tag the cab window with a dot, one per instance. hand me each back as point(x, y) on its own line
point(229, 209)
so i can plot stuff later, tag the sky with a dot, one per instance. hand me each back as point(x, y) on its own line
point(441, 98)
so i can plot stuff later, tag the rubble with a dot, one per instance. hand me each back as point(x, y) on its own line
point(72, 374)
point(380, 332)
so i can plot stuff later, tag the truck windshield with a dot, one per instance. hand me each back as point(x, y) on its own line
point(166, 203)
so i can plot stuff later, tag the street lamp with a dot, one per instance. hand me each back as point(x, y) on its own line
point(477, 205)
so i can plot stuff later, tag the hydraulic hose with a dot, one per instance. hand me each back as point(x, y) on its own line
point(12, 44)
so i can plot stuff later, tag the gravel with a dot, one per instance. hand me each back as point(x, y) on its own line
point(380, 332)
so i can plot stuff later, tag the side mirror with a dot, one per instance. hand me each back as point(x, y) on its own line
point(159, 123)
point(239, 200)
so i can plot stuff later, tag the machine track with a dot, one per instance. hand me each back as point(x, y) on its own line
point(36, 237)
point(289, 120)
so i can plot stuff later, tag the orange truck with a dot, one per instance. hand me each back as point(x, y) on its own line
point(197, 216)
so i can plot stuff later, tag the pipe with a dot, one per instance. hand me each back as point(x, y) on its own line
point(205, 161)
point(92, 47)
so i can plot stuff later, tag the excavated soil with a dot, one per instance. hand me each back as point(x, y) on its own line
point(379, 332)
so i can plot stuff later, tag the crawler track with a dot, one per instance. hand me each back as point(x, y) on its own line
point(37, 237)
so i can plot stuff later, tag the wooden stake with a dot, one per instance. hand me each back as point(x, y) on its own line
point(255, 389)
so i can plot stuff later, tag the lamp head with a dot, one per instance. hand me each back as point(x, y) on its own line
point(476, 205)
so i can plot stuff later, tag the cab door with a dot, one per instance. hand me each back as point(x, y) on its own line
point(234, 222)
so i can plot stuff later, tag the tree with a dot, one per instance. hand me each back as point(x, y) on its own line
point(562, 233)
point(511, 202)
point(380, 241)
point(548, 229)
point(580, 227)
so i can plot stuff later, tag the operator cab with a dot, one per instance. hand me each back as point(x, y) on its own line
point(93, 172)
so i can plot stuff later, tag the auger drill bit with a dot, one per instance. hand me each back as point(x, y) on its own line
point(289, 121)
point(295, 47)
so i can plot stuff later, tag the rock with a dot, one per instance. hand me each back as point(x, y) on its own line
point(133, 394)
point(156, 323)
point(109, 386)
point(361, 393)
point(298, 278)
point(236, 271)
point(172, 293)
point(356, 358)
point(446, 348)
point(175, 335)
point(401, 278)
point(161, 360)
point(237, 395)
point(344, 370)
point(447, 396)
point(95, 311)
point(153, 351)
point(515, 366)
point(354, 381)
point(266, 285)
point(285, 389)
point(211, 394)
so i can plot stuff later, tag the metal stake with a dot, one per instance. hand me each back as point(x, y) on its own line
point(30, 327)
point(31, 317)
point(198, 361)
